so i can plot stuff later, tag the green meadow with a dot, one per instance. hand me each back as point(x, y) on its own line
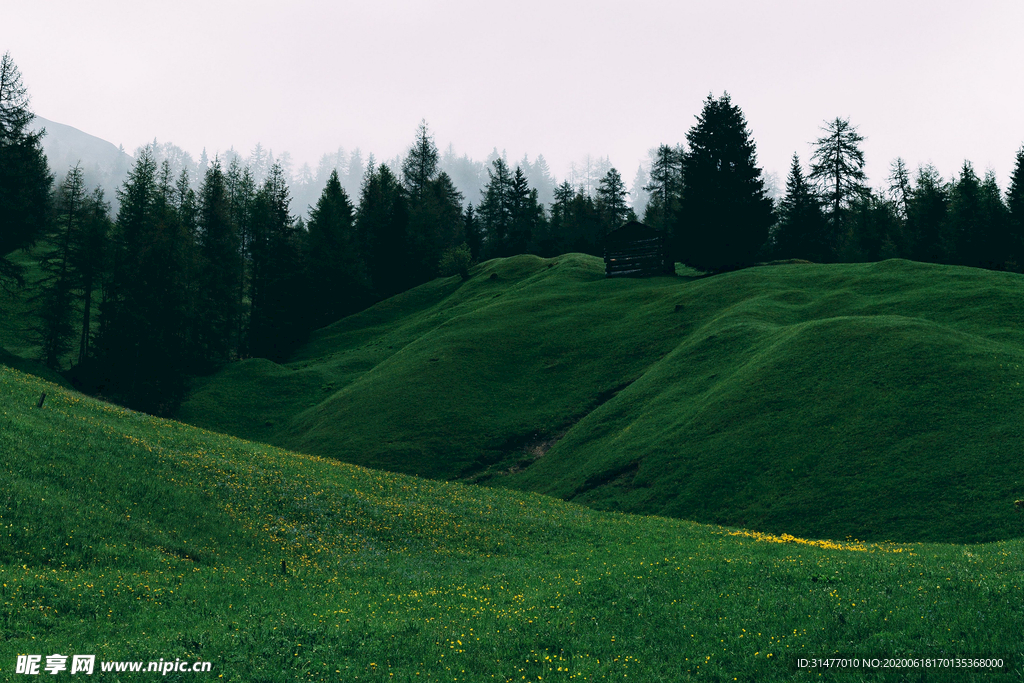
point(135, 538)
point(875, 401)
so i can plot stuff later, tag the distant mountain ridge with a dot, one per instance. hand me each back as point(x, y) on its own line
point(103, 163)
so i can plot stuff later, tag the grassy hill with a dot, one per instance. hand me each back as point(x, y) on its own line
point(135, 539)
point(879, 401)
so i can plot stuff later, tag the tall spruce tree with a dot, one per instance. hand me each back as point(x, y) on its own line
point(837, 167)
point(800, 232)
point(275, 324)
point(966, 233)
point(220, 267)
point(241, 189)
point(25, 178)
point(995, 250)
point(474, 236)
point(1015, 209)
point(337, 264)
point(665, 188)
point(56, 329)
point(420, 166)
point(611, 201)
point(89, 255)
point(382, 222)
point(526, 214)
point(144, 326)
point(725, 214)
point(899, 186)
point(927, 212)
point(495, 210)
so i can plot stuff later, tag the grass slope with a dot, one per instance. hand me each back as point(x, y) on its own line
point(135, 538)
point(879, 401)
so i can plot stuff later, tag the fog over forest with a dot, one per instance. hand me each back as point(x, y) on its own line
point(106, 165)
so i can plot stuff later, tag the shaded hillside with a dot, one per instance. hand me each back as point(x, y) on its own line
point(132, 538)
point(877, 401)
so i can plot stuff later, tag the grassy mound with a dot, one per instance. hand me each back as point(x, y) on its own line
point(134, 538)
point(878, 401)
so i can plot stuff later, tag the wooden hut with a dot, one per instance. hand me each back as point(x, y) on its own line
point(636, 250)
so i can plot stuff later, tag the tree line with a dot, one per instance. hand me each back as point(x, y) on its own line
point(190, 275)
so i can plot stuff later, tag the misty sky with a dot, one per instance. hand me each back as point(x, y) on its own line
point(930, 81)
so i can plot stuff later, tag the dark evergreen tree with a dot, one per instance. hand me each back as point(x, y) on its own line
point(526, 214)
point(575, 224)
point(966, 234)
point(927, 209)
point(874, 230)
point(275, 318)
point(555, 240)
point(996, 244)
point(89, 255)
point(474, 236)
point(220, 267)
point(420, 166)
point(837, 166)
point(899, 186)
point(25, 178)
point(665, 188)
point(55, 300)
point(435, 226)
point(800, 232)
point(337, 265)
point(241, 189)
point(495, 210)
point(725, 214)
point(382, 226)
point(611, 201)
point(142, 345)
point(1015, 208)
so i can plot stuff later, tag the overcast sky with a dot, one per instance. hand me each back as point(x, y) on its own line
point(928, 80)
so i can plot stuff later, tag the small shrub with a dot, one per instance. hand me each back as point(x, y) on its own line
point(456, 260)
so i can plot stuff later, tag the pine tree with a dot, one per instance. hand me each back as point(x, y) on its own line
point(495, 210)
point(725, 214)
point(337, 265)
point(144, 325)
point(420, 166)
point(25, 178)
point(56, 329)
point(611, 201)
point(241, 189)
point(89, 256)
point(966, 229)
point(474, 237)
point(801, 229)
point(541, 179)
point(837, 166)
point(875, 230)
point(927, 213)
point(639, 196)
point(220, 267)
point(899, 186)
point(526, 214)
point(665, 188)
point(1015, 209)
point(996, 243)
point(382, 222)
point(275, 324)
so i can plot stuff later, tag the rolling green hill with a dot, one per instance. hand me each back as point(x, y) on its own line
point(137, 539)
point(879, 401)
